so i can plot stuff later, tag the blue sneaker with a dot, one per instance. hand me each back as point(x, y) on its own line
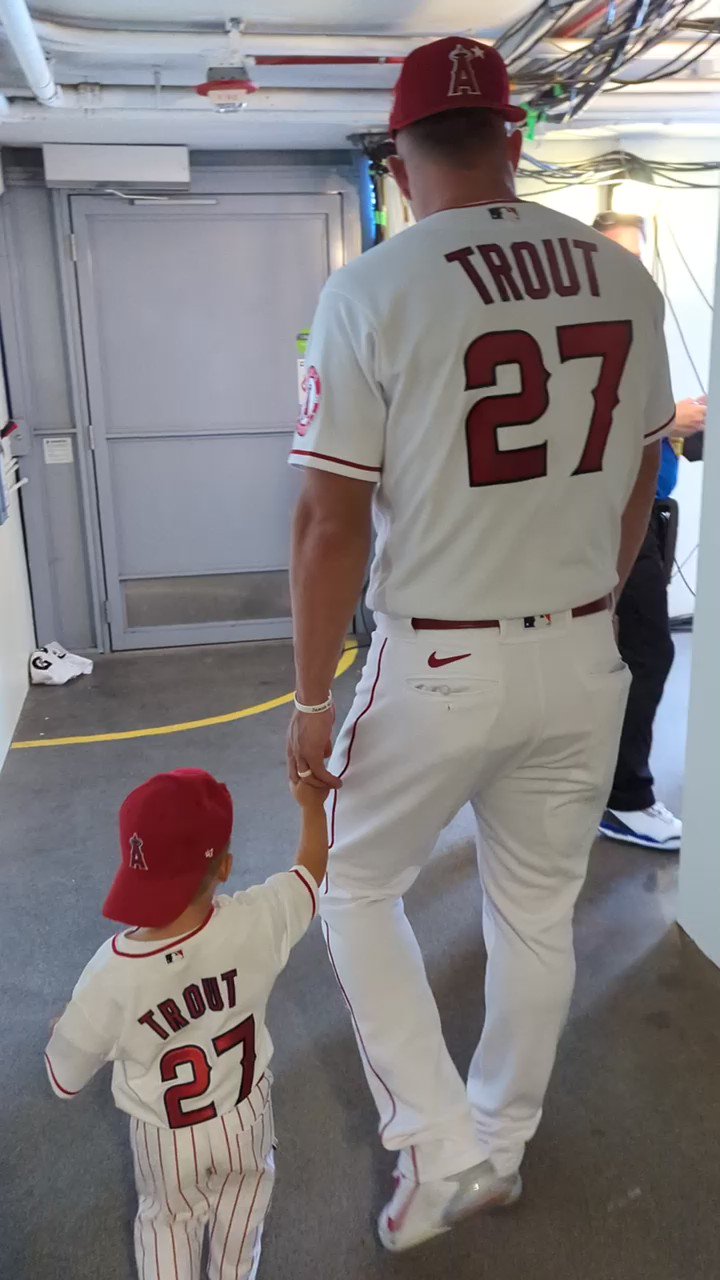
point(653, 828)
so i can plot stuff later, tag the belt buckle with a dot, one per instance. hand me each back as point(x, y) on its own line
point(545, 619)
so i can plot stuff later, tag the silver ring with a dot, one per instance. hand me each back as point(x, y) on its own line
point(304, 773)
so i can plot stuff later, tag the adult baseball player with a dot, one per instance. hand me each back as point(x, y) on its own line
point(493, 383)
point(179, 1008)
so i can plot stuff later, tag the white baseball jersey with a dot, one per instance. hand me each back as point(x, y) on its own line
point(183, 1021)
point(495, 370)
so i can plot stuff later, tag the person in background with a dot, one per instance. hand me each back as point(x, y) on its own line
point(634, 815)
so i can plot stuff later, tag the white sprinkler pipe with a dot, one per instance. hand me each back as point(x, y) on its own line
point(22, 36)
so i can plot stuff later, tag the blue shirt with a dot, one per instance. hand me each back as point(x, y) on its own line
point(669, 464)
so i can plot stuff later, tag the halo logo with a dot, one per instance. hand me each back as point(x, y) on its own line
point(462, 76)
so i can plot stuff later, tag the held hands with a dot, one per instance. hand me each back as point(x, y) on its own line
point(309, 744)
point(310, 799)
point(690, 417)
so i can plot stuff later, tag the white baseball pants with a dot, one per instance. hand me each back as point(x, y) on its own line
point(216, 1175)
point(523, 722)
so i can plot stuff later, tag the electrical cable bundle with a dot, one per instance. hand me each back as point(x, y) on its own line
point(618, 31)
point(614, 166)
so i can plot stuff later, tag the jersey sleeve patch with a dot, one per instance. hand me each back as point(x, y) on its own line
point(311, 390)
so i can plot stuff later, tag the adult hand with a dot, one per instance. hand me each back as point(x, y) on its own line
point(309, 744)
point(690, 417)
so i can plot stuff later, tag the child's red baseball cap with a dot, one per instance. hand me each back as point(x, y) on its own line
point(452, 74)
point(170, 829)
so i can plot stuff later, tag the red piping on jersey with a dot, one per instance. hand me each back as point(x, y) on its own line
point(252, 1206)
point(343, 771)
point(327, 457)
point(358, 1033)
point(657, 430)
point(69, 1093)
point(169, 946)
point(227, 1141)
point(241, 1183)
point(301, 878)
point(167, 1204)
point(351, 743)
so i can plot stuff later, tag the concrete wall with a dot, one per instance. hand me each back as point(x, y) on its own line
point(16, 621)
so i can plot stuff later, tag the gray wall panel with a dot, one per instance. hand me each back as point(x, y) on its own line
point(38, 339)
point(48, 400)
point(190, 486)
point(62, 510)
point(39, 394)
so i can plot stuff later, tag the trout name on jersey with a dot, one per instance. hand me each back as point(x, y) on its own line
point(524, 271)
point(214, 994)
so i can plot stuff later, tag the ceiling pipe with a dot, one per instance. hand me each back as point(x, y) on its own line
point(324, 103)
point(149, 47)
point(22, 36)
point(328, 105)
point(144, 45)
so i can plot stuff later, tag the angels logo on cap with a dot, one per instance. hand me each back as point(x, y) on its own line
point(312, 387)
point(137, 857)
point(186, 819)
point(449, 75)
point(462, 76)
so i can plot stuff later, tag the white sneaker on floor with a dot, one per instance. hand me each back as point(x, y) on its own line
point(84, 665)
point(420, 1210)
point(47, 668)
point(653, 828)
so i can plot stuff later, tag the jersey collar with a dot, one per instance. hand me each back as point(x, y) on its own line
point(168, 945)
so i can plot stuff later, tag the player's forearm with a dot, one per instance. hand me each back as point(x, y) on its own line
point(328, 566)
point(636, 516)
point(312, 852)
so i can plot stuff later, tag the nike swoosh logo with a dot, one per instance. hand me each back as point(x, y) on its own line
point(434, 661)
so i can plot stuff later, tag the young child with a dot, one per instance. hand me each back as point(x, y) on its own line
point(177, 1004)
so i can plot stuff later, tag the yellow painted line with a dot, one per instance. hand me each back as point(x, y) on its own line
point(158, 731)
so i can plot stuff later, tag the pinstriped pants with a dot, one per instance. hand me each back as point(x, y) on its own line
point(217, 1175)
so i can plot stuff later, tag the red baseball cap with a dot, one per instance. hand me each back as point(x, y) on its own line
point(450, 75)
point(170, 829)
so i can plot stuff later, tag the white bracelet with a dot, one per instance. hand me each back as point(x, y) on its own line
point(314, 710)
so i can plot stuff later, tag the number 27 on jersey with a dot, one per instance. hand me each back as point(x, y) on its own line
point(609, 341)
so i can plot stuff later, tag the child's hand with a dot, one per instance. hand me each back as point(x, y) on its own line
point(309, 797)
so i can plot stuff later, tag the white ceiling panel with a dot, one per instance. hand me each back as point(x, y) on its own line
point(421, 17)
point(127, 70)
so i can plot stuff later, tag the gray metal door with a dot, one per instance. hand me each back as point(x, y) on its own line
point(189, 316)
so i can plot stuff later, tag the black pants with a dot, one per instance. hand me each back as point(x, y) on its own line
point(646, 645)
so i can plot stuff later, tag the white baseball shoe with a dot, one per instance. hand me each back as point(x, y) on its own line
point(48, 668)
point(420, 1210)
point(653, 828)
point(84, 665)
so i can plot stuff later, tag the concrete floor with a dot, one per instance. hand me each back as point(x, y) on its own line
point(621, 1181)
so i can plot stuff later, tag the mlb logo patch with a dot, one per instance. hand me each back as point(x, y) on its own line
point(506, 211)
point(172, 956)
